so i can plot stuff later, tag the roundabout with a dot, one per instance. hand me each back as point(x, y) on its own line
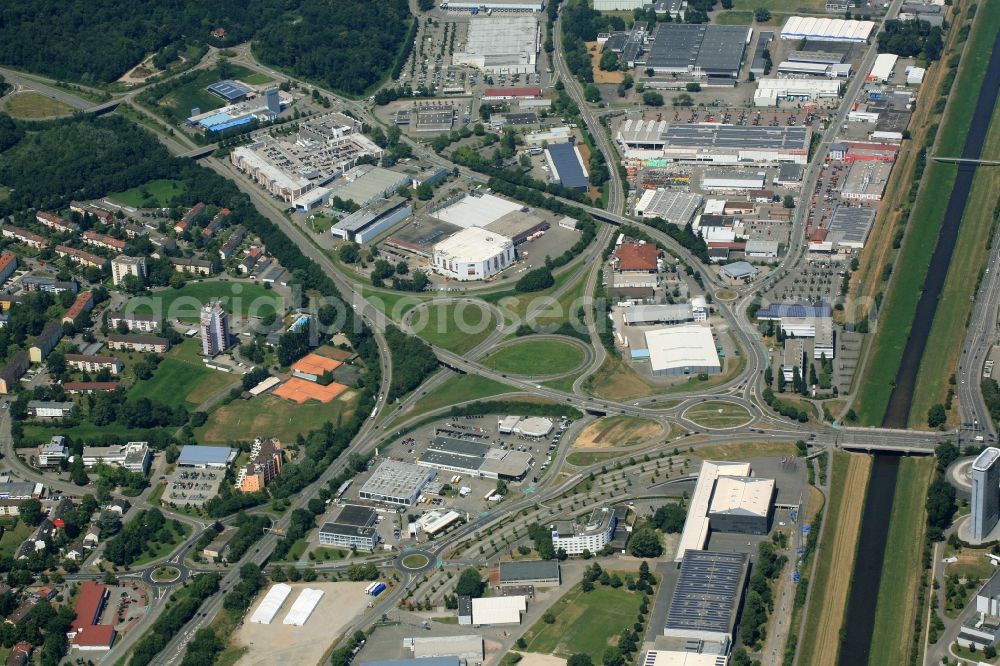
point(718, 415)
point(415, 561)
point(165, 575)
point(539, 356)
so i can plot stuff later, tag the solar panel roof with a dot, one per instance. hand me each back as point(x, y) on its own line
point(708, 591)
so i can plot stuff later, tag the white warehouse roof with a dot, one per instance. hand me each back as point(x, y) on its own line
point(683, 658)
point(499, 610)
point(825, 29)
point(476, 211)
point(687, 345)
point(696, 525)
point(303, 607)
point(882, 69)
point(271, 604)
point(743, 496)
point(472, 245)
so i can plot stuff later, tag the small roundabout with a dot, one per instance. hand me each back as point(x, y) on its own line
point(165, 575)
point(718, 414)
point(539, 356)
point(415, 561)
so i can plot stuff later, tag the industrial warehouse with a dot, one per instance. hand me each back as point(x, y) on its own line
point(714, 144)
point(476, 459)
point(501, 45)
point(706, 600)
point(396, 482)
point(680, 350)
point(698, 49)
point(826, 29)
point(669, 205)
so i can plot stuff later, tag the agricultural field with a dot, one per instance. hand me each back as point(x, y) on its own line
point(239, 299)
point(536, 358)
point(718, 414)
point(182, 379)
point(34, 106)
point(154, 194)
point(896, 607)
point(831, 581)
point(457, 327)
point(585, 622)
point(241, 419)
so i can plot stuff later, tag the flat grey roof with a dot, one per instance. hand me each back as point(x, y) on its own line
point(788, 172)
point(781, 310)
point(529, 570)
point(204, 455)
point(850, 225)
point(706, 135)
point(708, 591)
point(638, 314)
point(711, 48)
point(347, 530)
point(358, 516)
point(365, 217)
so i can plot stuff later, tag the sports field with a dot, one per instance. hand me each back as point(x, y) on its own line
point(30, 105)
point(718, 414)
point(586, 622)
point(154, 194)
point(831, 582)
point(269, 414)
point(536, 358)
point(182, 379)
point(239, 299)
point(901, 570)
point(457, 327)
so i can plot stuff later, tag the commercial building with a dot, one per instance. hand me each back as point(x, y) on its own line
point(529, 426)
point(883, 66)
point(670, 313)
point(696, 526)
point(702, 50)
point(866, 181)
point(205, 457)
point(498, 610)
point(46, 341)
point(741, 504)
point(793, 359)
point(323, 148)
point(123, 265)
point(135, 322)
point(739, 271)
point(229, 90)
point(473, 254)
point(675, 207)
point(53, 453)
point(352, 528)
point(265, 462)
point(367, 183)
point(93, 363)
point(475, 459)
point(595, 534)
point(81, 257)
point(500, 6)
point(772, 92)
point(214, 329)
point(733, 179)
point(396, 482)
point(466, 648)
point(985, 494)
point(849, 228)
point(140, 343)
point(683, 658)
point(303, 607)
point(368, 223)
point(632, 257)
point(217, 546)
point(566, 166)
point(434, 521)
point(271, 604)
point(502, 94)
point(549, 136)
point(537, 573)
point(826, 30)
point(133, 456)
point(500, 45)
point(682, 350)
point(262, 107)
point(714, 144)
point(707, 597)
point(87, 633)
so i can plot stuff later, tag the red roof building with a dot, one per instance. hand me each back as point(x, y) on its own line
point(84, 303)
point(95, 637)
point(633, 257)
point(89, 604)
point(512, 93)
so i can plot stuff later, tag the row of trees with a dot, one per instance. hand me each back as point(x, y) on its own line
point(412, 362)
point(173, 619)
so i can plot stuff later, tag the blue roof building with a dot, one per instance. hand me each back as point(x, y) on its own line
point(797, 310)
point(205, 456)
point(567, 166)
point(229, 90)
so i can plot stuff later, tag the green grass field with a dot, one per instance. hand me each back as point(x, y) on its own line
point(585, 622)
point(458, 389)
point(564, 307)
point(242, 419)
point(536, 358)
point(587, 458)
point(13, 537)
point(85, 432)
point(782, 6)
point(154, 194)
point(913, 261)
point(894, 612)
point(163, 549)
point(718, 414)
point(392, 304)
point(33, 106)
point(177, 104)
point(182, 379)
point(458, 327)
point(240, 299)
point(256, 78)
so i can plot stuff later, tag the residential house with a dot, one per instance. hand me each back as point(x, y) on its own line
point(81, 257)
point(56, 223)
point(24, 236)
point(192, 266)
point(104, 241)
point(16, 366)
point(93, 363)
point(142, 343)
point(83, 304)
point(46, 341)
point(135, 322)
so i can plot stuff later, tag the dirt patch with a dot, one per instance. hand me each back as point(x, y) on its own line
point(814, 502)
point(279, 643)
point(600, 76)
point(842, 551)
point(617, 431)
point(536, 659)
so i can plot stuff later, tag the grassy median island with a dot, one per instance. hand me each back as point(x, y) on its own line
point(536, 358)
point(924, 226)
point(30, 105)
point(718, 414)
point(901, 569)
point(457, 327)
point(831, 581)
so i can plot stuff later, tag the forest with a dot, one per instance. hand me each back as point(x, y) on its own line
point(348, 45)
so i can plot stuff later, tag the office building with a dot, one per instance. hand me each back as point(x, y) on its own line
point(593, 535)
point(354, 527)
point(985, 492)
point(396, 482)
point(133, 456)
point(123, 265)
point(49, 409)
point(214, 329)
point(53, 453)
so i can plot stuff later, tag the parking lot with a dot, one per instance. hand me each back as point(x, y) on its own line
point(192, 487)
